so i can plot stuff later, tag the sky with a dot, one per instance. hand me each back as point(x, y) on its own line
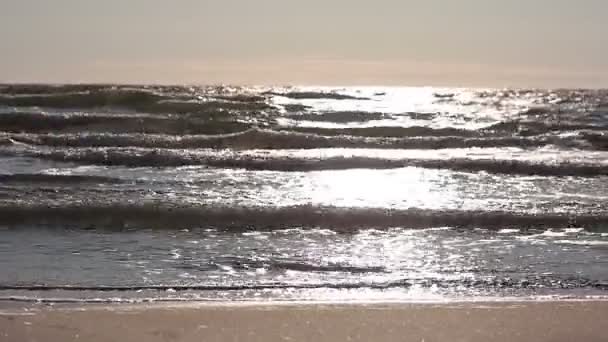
point(524, 43)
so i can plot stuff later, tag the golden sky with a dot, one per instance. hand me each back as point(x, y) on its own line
point(538, 43)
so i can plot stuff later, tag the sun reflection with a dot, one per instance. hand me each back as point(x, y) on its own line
point(465, 108)
point(407, 187)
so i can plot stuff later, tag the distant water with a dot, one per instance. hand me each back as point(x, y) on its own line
point(147, 193)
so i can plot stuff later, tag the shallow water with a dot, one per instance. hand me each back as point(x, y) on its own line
point(299, 264)
point(113, 193)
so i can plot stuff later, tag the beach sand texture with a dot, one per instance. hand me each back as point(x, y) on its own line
point(524, 321)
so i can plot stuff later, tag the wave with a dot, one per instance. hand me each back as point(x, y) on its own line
point(269, 139)
point(248, 98)
point(7, 141)
point(508, 128)
point(385, 131)
point(139, 157)
point(181, 288)
point(339, 117)
point(215, 122)
point(132, 216)
point(530, 282)
point(295, 107)
point(56, 178)
point(57, 123)
point(133, 99)
point(309, 95)
point(46, 89)
point(279, 265)
point(87, 99)
point(529, 128)
point(444, 95)
point(597, 140)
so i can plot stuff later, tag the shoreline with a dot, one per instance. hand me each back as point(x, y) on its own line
point(75, 303)
point(550, 320)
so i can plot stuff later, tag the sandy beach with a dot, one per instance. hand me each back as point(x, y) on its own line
point(518, 321)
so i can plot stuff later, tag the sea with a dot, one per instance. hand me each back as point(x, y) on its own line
point(148, 193)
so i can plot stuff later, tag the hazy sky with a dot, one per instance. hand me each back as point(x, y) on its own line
point(398, 42)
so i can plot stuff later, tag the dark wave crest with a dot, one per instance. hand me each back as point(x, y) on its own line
point(386, 131)
point(50, 89)
point(132, 99)
point(56, 179)
point(510, 128)
point(139, 157)
point(598, 140)
point(303, 95)
point(126, 216)
point(529, 128)
point(268, 139)
point(45, 123)
point(340, 117)
point(244, 264)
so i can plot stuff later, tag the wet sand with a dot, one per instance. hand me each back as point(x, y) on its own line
point(520, 321)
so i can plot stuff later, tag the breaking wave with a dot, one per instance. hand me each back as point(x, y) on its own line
point(529, 282)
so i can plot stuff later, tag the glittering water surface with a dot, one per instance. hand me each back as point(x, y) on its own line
point(116, 193)
point(305, 264)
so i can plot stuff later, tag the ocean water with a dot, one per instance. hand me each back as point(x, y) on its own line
point(177, 193)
